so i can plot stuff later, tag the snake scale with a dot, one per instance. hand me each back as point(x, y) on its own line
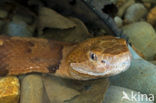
point(93, 58)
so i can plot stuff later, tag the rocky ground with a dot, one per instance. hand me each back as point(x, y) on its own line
point(41, 18)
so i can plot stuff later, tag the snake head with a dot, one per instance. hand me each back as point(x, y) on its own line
point(99, 57)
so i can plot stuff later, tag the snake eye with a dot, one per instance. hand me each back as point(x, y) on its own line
point(93, 56)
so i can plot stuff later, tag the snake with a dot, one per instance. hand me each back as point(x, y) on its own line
point(92, 58)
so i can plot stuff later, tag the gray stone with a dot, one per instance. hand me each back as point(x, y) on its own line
point(142, 36)
point(32, 89)
point(117, 94)
point(18, 28)
point(141, 76)
point(135, 12)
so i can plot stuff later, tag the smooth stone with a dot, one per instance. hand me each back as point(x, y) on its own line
point(141, 76)
point(142, 35)
point(135, 12)
point(57, 91)
point(31, 89)
point(18, 28)
point(118, 21)
point(115, 94)
point(76, 34)
point(9, 89)
point(61, 90)
point(49, 18)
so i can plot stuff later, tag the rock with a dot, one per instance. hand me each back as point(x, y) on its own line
point(151, 17)
point(76, 34)
point(115, 94)
point(93, 93)
point(124, 6)
point(72, 91)
point(18, 28)
point(3, 13)
point(118, 21)
point(141, 76)
point(57, 91)
point(135, 12)
point(143, 37)
point(31, 89)
point(9, 89)
point(49, 18)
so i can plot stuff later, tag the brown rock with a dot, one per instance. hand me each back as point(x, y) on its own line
point(9, 89)
point(151, 17)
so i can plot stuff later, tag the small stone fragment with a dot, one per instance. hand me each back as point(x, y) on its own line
point(31, 89)
point(9, 89)
point(151, 17)
point(135, 12)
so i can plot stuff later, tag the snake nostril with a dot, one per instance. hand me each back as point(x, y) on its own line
point(103, 61)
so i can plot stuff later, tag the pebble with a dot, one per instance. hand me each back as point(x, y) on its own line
point(31, 89)
point(141, 77)
point(9, 89)
point(18, 28)
point(135, 12)
point(115, 94)
point(142, 36)
point(118, 21)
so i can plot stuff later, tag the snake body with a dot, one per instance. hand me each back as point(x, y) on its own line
point(93, 58)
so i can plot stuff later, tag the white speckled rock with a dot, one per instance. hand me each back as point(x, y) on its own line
point(141, 76)
point(135, 12)
point(32, 89)
point(116, 94)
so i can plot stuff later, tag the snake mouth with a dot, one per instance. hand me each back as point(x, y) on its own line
point(116, 68)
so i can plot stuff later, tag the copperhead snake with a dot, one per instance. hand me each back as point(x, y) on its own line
point(93, 58)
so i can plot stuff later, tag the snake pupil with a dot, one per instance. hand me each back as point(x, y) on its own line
point(93, 56)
